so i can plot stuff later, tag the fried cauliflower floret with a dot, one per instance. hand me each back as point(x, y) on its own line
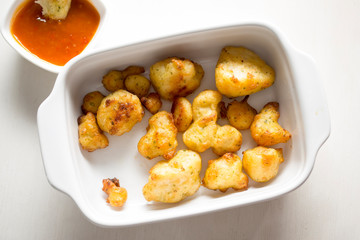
point(132, 70)
point(265, 129)
point(114, 79)
point(91, 102)
point(160, 140)
point(182, 113)
point(175, 77)
point(152, 102)
point(224, 173)
point(226, 140)
point(117, 195)
point(91, 137)
point(240, 114)
point(206, 103)
point(119, 112)
point(199, 136)
point(174, 180)
point(55, 9)
point(261, 163)
point(204, 132)
point(138, 85)
point(241, 72)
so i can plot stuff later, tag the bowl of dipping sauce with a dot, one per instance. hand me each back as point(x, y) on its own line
point(50, 43)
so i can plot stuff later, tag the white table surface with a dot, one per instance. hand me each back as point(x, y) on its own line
point(326, 206)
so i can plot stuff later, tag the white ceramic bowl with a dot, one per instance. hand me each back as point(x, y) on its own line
point(79, 173)
point(6, 32)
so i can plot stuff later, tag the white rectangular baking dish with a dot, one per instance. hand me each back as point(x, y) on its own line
point(79, 174)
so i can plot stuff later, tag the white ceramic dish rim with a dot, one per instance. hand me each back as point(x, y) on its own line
point(6, 33)
point(312, 99)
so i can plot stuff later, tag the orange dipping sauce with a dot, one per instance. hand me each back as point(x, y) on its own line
point(55, 41)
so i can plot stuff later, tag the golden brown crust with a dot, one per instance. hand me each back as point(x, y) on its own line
point(206, 103)
point(91, 102)
point(265, 129)
point(117, 195)
point(119, 112)
point(175, 77)
point(204, 132)
point(240, 72)
point(152, 102)
point(91, 137)
point(224, 173)
point(199, 136)
point(226, 140)
point(182, 113)
point(132, 70)
point(262, 163)
point(160, 140)
point(240, 114)
point(114, 79)
point(174, 180)
point(138, 85)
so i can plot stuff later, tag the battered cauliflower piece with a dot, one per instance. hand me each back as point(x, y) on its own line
point(91, 137)
point(227, 139)
point(114, 79)
point(199, 136)
point(117, 195)
point(119, 112)
point(152, 102)
point(174, 180)
point(204, 132)
point(265, 129)
point(241, 72)
point(206, 103)
point(132, 70)
point(240, 114)
point(224, 173)
point(160, 140)
point(91, 102)
point(261, 163)
point(138, 85)
point(55, 9)
point(182, 113)
point(175, 77)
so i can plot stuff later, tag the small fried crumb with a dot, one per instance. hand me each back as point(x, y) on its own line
point(117, 195)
